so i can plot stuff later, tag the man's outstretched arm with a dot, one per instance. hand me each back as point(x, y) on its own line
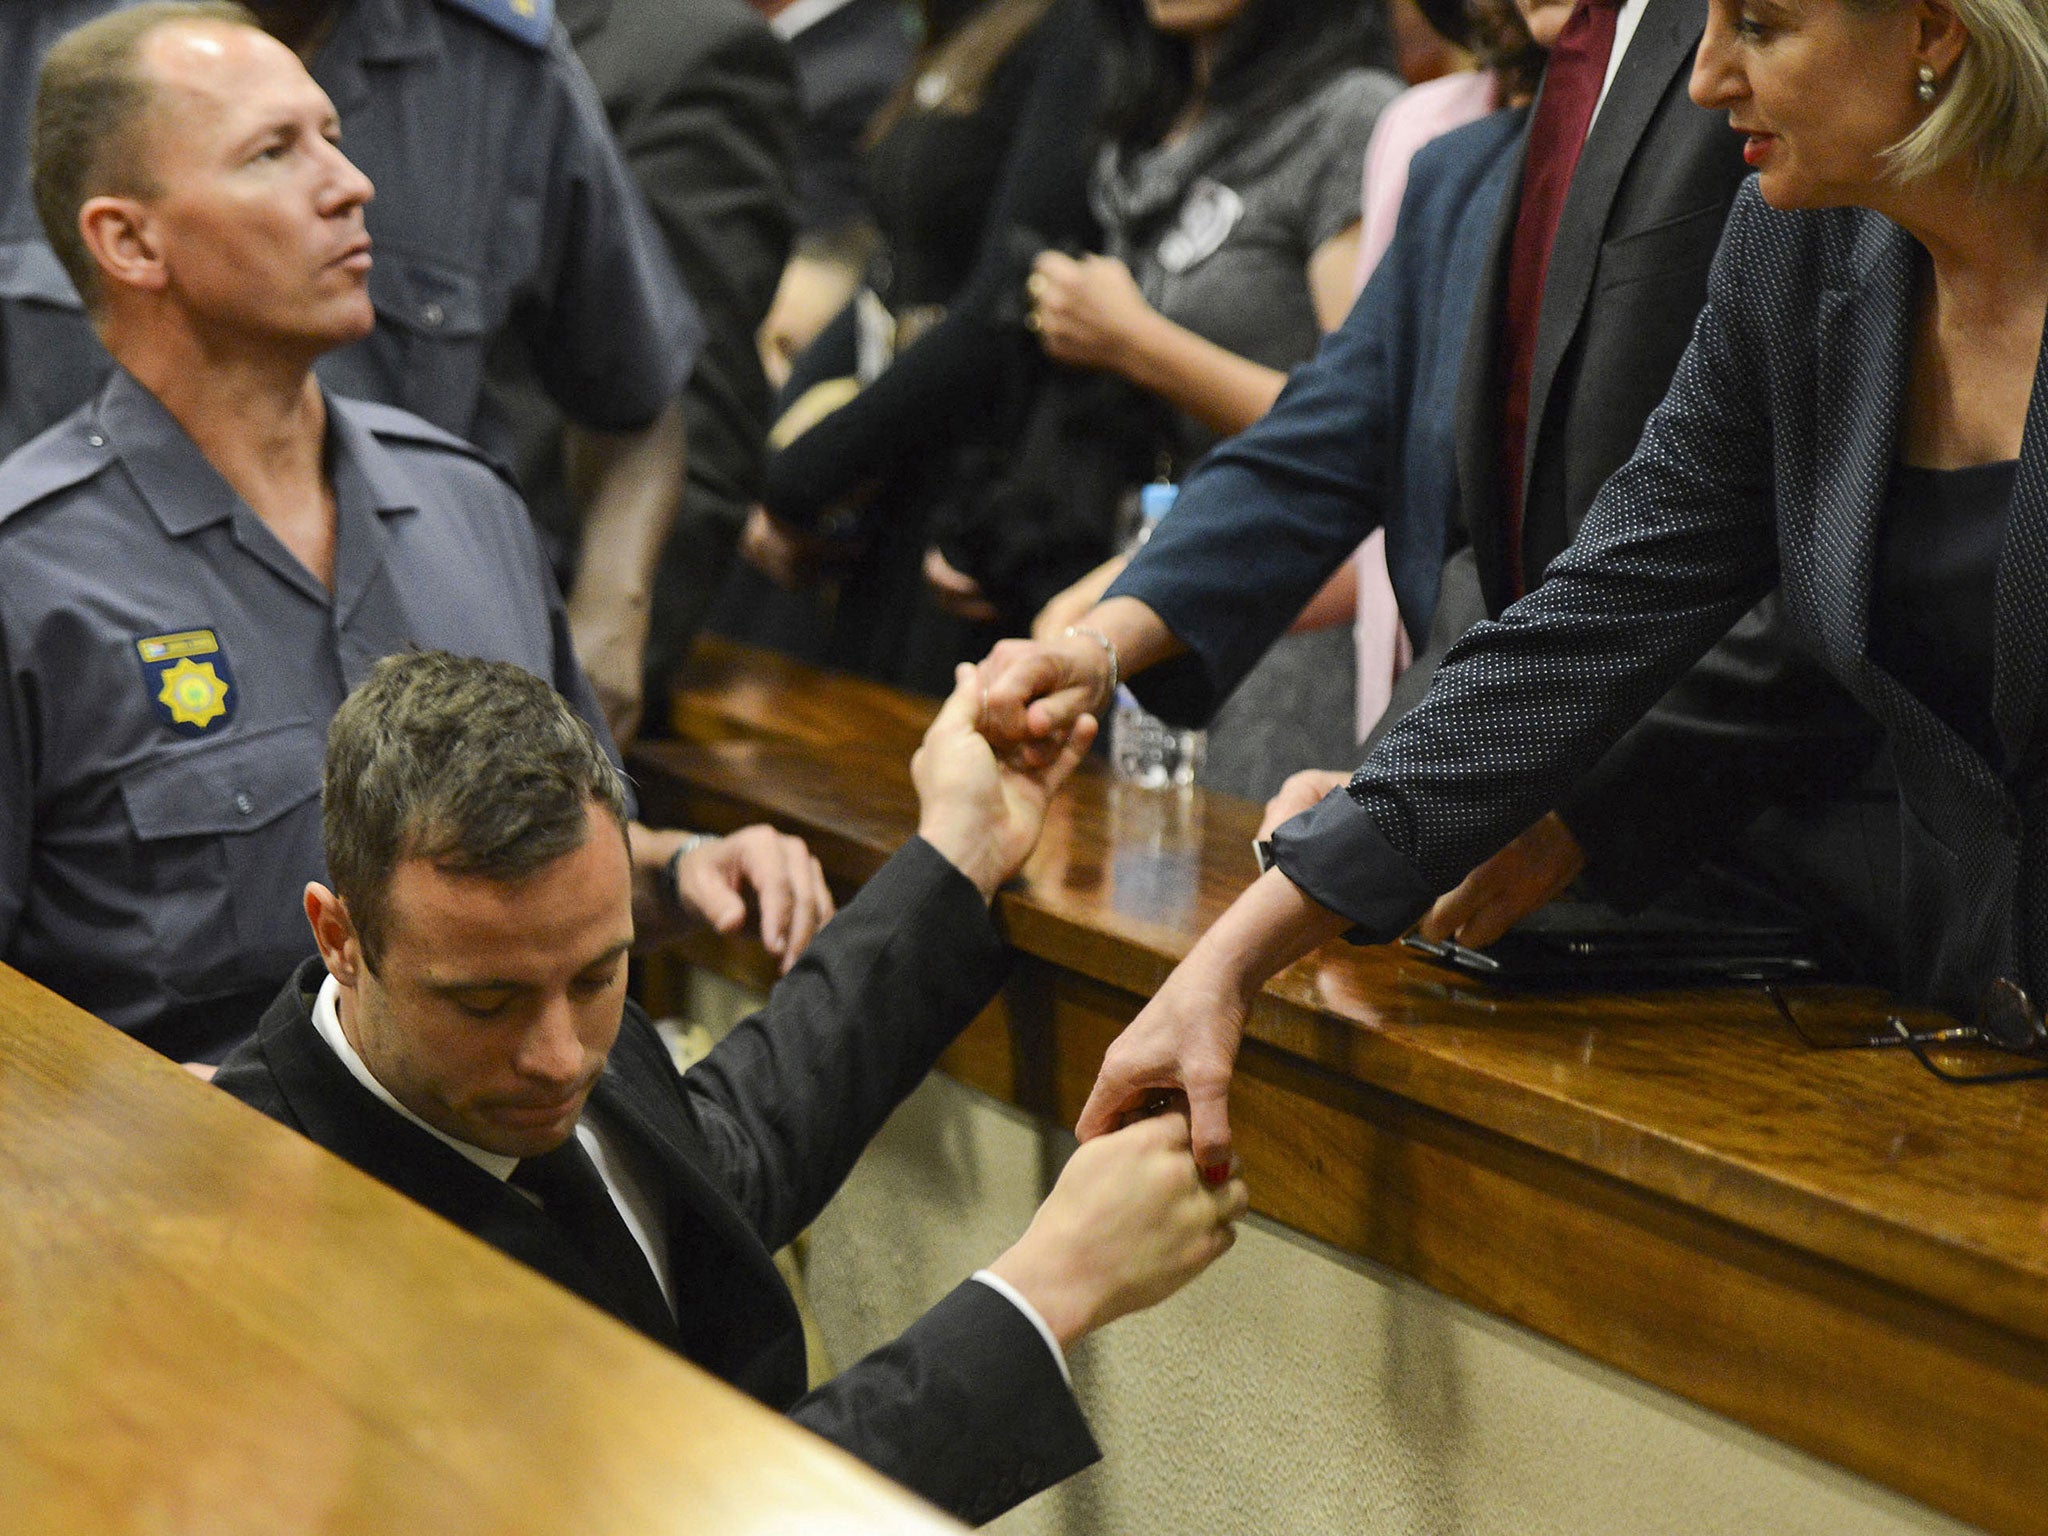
point(970, 1406)
point(791, 1098)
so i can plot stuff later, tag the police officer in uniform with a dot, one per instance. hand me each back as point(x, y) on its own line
point(502, 209)
point(501, 204)
point(203, 560)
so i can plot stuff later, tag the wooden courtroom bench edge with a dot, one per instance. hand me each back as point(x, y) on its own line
point(211, 1324)
point(1796, 1199)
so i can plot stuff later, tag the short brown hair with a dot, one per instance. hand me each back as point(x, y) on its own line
point(89, 97)
point(478, 767)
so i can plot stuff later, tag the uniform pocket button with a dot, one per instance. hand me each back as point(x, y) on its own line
point(244, 804)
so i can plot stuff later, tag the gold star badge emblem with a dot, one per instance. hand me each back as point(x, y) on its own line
point(194, 693)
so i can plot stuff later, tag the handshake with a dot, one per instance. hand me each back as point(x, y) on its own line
point(1131, 1219)
point(1039, 696)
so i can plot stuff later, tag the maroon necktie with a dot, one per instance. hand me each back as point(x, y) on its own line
point(1571, 88)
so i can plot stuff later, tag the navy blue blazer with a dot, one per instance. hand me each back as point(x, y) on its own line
point(1364, 436)
point(1766, 464)
point(1757, 723)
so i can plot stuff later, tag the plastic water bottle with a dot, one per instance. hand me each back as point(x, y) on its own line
point(1143, 749)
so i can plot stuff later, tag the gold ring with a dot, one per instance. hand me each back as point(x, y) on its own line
point(1035, 285)
point(1033, 323)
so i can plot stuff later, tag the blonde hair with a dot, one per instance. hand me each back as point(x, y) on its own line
point(1994, 105)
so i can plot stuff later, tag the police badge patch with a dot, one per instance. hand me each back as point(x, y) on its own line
point(188, 680)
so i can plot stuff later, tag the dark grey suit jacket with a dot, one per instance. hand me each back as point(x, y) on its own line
point(1767, 464)
point(968, 1407)
point(1758, 722)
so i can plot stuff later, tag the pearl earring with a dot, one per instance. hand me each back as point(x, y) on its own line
point(1925, 89)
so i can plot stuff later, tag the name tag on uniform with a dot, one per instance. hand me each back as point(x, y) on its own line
point(1207, 217)
point(188, 680)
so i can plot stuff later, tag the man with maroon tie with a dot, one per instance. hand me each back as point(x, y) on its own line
point(1593, 277)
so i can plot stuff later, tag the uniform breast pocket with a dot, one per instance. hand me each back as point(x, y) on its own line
point(1685, 244)
point(427, 353)
point(229, 834)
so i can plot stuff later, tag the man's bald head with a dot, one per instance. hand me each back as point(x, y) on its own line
point(91, 101)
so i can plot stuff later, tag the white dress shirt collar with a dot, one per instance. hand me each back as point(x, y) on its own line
point(640, 1212)
point(1626, 21)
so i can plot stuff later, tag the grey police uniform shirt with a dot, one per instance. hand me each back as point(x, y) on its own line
point(502, 205)
point(170, 670)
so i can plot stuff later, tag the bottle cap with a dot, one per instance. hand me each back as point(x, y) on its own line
point(1156, 500)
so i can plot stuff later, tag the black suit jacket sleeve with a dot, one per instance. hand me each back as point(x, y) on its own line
point(966, 1407)
point(788, 1101)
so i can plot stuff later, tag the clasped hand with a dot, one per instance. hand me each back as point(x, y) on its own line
point(1126, 1226)
point(984, 813)
point(1034, 694)
point(1086, 311)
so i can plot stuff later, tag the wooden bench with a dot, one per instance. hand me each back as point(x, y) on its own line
point(1832, 1247)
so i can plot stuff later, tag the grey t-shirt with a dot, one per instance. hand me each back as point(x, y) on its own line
point(1218, 229)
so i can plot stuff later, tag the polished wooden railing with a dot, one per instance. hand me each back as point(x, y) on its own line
point(1832, 1247)
point(210, 1326)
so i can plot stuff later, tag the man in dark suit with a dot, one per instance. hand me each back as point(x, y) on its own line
point(850, 56)
point(465, 1036)
point(1596, 273)
point(1570, 347)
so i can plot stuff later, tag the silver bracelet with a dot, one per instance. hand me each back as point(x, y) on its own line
point(1116, 671)
point(691, 842)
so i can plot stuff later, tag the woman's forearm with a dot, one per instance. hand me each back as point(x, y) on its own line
point(1272, 925)
point(1224, 392)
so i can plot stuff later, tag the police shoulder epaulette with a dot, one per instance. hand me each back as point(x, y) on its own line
point(530, 21)
point(69, 454)
point(390, 424)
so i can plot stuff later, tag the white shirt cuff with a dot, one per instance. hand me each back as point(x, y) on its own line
point(1015, 1297)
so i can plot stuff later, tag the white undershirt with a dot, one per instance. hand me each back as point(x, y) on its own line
point(637, 1209)
point(1626, 20)
point(792, 19)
